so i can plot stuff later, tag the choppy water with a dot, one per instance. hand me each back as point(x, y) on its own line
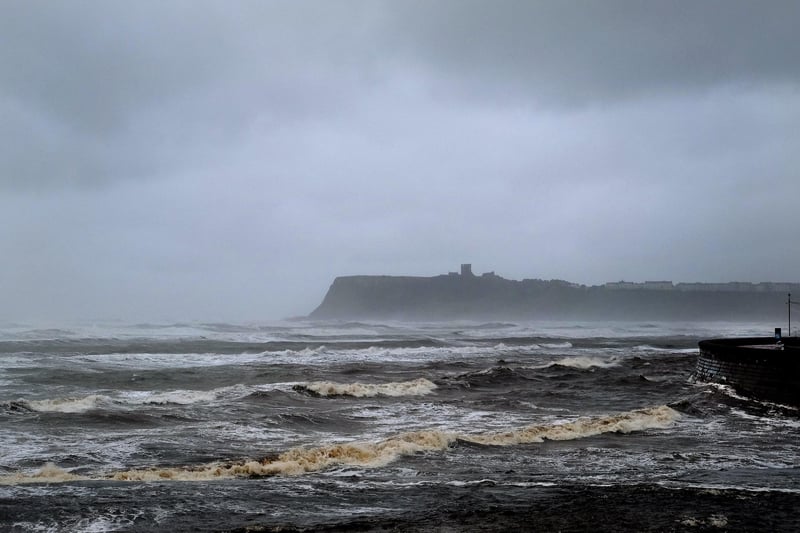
point(343, 426)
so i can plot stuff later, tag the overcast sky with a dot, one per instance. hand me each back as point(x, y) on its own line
point(226, 160)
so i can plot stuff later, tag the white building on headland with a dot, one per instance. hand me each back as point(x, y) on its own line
point(731, 286)
point(623, 285)
point(659, 285)
point(649, 285)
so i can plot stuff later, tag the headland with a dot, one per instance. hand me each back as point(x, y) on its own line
point(464, 295)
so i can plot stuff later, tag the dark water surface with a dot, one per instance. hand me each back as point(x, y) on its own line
point(398, 427)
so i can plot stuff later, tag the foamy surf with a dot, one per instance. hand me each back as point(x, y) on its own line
point(556, 345)
point(67, 405)
point(176, 397)
point(304, 460)
point(417, 387)
point(649, 348)
point(83, 404)
point(584, 362)
point(49, 473)
point(651, 418)
point(298, 461)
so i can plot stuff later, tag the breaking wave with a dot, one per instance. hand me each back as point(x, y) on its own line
point(67, 405)
point(49, 473)
point(639, 420)
point(417, 387)
point(177, 397)
point(649, 348)
point(74, 405)
point(564, 344)
point(372, 454)
point(585, 363)
point(490, 376)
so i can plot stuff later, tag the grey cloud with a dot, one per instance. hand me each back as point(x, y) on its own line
point(227, 160)
point(579, 52)
point(84, 81)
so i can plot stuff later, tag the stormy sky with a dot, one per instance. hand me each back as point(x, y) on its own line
point(196, 160)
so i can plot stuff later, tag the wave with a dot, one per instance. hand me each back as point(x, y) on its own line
point(417, 387)
point(649, 348)
point(731, 392)
point(49, 473)
point(651, 418)
point(372, 454)
point(493, 325)
point(490, 376)
point(176, 397)
point(304, 460)
point(564, 344)
point(306, 420)
point(585, 362)
point(91, 402)
point(67, 405)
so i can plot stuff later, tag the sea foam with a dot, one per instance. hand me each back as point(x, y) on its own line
point(49, 473)
point(83, 404)
point(417, 387)
point(375, 454)
point(585, 362)
point(67, 405)
point(639, 420)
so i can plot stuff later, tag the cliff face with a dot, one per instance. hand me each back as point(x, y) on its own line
point(415, 297)
point(491, 297)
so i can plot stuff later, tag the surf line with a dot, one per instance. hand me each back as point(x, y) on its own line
point(298, 461)
point(416, 387)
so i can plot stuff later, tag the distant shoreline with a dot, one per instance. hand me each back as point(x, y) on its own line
point(488, 296)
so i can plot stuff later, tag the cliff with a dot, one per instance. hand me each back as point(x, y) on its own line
point(465, 296)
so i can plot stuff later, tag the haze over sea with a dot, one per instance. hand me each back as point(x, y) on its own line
point(385, 426)
point(219, 163)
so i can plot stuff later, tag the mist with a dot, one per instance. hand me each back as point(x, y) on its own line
point(209, 161)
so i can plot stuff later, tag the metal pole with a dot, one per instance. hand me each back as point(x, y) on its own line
point(789, 305)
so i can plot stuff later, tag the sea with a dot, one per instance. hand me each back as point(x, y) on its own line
point(385, 426)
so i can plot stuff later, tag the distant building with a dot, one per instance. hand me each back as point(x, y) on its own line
point(691, 287)
point(769, 286)
point(625, 285)
point(466, 270)
point(738, 286)
point(564, 283)
point(659, 285)
point(648, 285)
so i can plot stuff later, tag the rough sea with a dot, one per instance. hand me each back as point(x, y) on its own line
point(310, 426)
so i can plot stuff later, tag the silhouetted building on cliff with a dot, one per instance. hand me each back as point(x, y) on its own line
point(489, 296)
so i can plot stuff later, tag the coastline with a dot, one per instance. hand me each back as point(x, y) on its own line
point(490, 297)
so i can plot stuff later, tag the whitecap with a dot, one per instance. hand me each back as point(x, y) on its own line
point(585, 362)
point(417, 387)
point(68, 405)
point(374, 454)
